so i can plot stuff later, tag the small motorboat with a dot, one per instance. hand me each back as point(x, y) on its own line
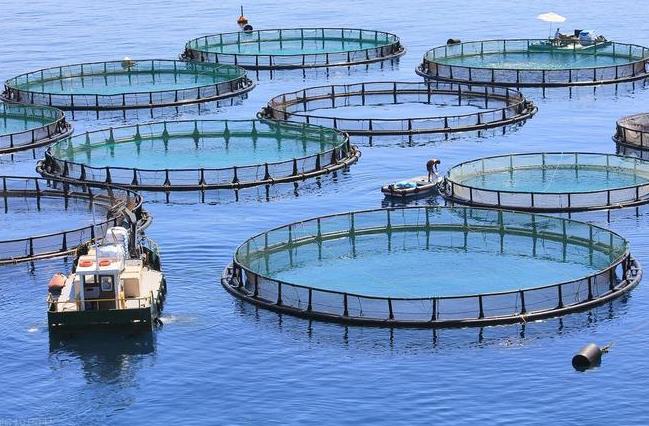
point(416, 187)
point(116, 282)
point(580, 40)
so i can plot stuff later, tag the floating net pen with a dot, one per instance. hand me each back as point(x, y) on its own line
point(199, 155)
point(550, 181)
point(83, 213)
point(295, 48)
point(128, 84)
point(633, 131)
point(24, 127)
point(492, 107)
point(432, 267)
point(535, 63)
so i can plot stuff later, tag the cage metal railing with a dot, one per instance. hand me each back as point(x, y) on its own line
point(517, 305)
point(233, 82)
point(66, 241)
point(52, 128)
point(142, 302)
point(434, 67)
point(335, 153)
point(624, 196)
point(386, 46)
point(633, 131)
point(500, 107)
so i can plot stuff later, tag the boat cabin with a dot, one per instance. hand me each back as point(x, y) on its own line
point(106, 277)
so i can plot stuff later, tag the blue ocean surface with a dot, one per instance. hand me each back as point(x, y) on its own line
point(217, 360)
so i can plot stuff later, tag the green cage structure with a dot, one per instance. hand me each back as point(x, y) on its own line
point(199, 155)
point(432, 267)
point(550, 181)
point(83, 213)
point(128, 84)
point(24, 127)
point(535, 63)
point(494, 107)
point(295, 48)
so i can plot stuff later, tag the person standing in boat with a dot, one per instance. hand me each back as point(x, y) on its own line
point(431, 166)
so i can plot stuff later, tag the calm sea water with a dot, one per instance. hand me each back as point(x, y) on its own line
point(219, 361)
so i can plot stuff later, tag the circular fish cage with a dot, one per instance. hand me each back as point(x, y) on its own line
point(535, 63)
point(24, 127)
point(82, 213)
point(199, 155)
point(432, 267)
point(633, 131)
point(127, 84)
point(338, 106)
point(295, 48)
point(550, 181)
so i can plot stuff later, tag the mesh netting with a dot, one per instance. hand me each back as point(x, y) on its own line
point(621, 181)
point(26, 127)
point(321, 150)
point(498, 107)
point(539, 237)
point(295, 48)
point(633, 131)
point(128, 84)
point(444, 63)
point(19, 194)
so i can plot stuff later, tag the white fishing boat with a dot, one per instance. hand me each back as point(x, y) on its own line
point(581, 40)
point(116, 282)
point(415, 187)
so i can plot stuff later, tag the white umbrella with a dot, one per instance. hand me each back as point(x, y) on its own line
point(552, 18)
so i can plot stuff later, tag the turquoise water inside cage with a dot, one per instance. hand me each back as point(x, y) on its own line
point(426, 264)
point(23, 218)
point(293, 46)
point(559, 179)
point(115, 84)
point(534, 60)
point(16, 124)
point(185, 152)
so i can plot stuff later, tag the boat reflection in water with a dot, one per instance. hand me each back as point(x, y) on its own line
point(106, 355)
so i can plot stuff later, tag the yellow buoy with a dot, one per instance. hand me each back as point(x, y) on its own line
point(127, 62)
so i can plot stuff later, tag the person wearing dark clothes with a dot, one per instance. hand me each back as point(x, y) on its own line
point(431, 166)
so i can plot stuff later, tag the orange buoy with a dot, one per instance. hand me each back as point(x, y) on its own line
point(104, 262)
point(84, 263)
point(57, 282)
point(242, 19)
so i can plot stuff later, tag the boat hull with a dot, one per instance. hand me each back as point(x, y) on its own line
point(421, 190)
point(137, 317)
point(144, 317)
point(568, 48)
